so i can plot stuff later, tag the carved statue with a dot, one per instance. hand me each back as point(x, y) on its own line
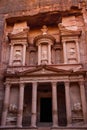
point(13, 108)
point(44, 29)
point(77, 106)
point(44, 55)
point(17, 55)
point(72, 51)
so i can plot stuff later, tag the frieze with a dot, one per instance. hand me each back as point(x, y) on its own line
point(13, 42)
point(70, 39)
point(45, 79)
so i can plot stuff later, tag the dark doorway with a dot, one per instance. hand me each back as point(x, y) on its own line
point(62, 120)
point(45, 110)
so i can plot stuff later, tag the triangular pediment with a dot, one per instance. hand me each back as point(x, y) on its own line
point(43, 70)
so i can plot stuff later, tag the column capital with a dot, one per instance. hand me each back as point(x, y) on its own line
point(34, 83)
point(7, 85)
point(22, 84)
point(32, 48)
point(54, 83)
point(67, 83)
point(58, 47)
point(11, 44)
point(81, 82)
point(25, 44)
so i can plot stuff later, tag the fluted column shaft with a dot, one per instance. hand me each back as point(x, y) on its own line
point(83, 100)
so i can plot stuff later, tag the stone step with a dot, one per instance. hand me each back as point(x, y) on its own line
point(44, 128)
point(44, 124)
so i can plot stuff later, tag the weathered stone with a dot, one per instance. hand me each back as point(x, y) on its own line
point(43, 64)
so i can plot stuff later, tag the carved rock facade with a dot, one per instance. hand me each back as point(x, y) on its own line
point(43, 65)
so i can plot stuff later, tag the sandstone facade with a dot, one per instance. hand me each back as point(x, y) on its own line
point(43, 64)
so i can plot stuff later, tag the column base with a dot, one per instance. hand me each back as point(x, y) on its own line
point(55, 126)
point(20, 126)
point(33, 126)
point(69, 125)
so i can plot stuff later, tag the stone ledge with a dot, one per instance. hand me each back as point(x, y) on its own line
point(15, 128)
point(70, 128)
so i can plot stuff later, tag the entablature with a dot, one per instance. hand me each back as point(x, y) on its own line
point(41, 79)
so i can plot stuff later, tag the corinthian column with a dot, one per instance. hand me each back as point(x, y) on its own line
point(6, 104)
point(34, 104)
point(20, 109)
point(83, 100)
point(68, 104)
point(54, 104)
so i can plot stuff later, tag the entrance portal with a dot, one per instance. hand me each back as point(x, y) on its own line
point(45, 110)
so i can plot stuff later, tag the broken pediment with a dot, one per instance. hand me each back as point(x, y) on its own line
point(66, 32)
point(19, 27)
point(19, 35)
point(70, 23)
point(20, 31)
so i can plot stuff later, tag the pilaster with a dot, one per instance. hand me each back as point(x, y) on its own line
point(83, 100)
